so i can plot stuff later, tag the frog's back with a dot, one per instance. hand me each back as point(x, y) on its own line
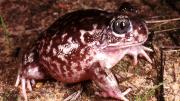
point(72, 27)
point(81, 19)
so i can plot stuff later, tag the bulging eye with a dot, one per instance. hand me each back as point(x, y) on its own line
point(121, 25)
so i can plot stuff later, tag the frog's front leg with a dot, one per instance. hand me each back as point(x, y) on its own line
point(106, 81)
point(27, 75)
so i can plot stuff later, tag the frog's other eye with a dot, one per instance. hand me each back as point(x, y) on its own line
point(121, 25)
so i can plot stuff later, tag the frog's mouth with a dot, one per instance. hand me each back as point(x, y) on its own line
point(131, 41)
point(120, 45)
point(117, 47)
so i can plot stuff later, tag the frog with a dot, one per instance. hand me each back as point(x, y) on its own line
point(85, 45)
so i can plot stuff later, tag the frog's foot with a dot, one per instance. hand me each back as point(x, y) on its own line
point(74, 96)
point(136, 50)
point(26, 78)
point(120, 96)
point(24, 83)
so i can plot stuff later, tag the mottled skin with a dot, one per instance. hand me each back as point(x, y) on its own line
point(84, 45)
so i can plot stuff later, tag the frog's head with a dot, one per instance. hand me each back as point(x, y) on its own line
point(125, 32)
point(125, 35)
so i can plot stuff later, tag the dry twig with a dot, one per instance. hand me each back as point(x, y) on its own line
point(166, 30)
point(162, 21)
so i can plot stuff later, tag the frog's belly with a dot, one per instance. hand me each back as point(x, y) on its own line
point(68, 76)
point(65, 72)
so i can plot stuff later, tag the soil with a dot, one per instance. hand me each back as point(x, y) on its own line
point(23, 20)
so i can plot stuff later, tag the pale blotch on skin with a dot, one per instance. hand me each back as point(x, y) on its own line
point(63, 36)
point(43, 42)
point(29, 58)
point(61, 56)
point(54, 52)
point(82, 36)
point(58, 66)
point(73, 64)
point(68, 47)
point(95, 30)
point(49, 47)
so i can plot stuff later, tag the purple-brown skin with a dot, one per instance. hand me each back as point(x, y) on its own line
point(84, 45)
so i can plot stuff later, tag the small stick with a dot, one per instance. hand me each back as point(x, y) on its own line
point(161, 21)
point(159, 25)
point(166, 30)
point(171, 48)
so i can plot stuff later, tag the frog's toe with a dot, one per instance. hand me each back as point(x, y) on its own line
point(120, 95)
point(147, 49)
point(24, 83)
point(74, 96)
point(142, 52)
point(101, 94)
point(126, 92)
point(17, 80)
point(135, 55)
point(29, 85)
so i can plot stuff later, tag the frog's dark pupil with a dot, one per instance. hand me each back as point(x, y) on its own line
point(121, 26)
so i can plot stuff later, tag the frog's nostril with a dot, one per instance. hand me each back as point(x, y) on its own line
point(136, 38)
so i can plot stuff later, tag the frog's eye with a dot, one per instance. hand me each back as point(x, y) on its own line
point(121, 25)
